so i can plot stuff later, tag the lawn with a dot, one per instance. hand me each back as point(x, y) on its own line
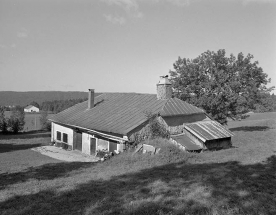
point(32, 121)
point(240, 180)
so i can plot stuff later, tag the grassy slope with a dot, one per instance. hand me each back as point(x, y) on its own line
point(240, 180)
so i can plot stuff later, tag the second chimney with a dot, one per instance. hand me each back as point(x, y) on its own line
point(164, 88)
point(91, 93)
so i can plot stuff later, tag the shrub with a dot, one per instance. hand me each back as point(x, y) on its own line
point(3, 121)
point(154, 129)
point(16, 121)
point(45, 123)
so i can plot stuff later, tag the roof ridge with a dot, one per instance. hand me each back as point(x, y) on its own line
point(164, 105)
point(128, 93)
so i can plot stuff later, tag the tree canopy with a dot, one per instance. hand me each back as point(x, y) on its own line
point(3, 121)
point(16, 121)
point(223, 86)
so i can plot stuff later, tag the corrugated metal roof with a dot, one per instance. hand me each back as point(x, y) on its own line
point(178, 107)
point(208, 130)
point(120, 113)
point(185, 141)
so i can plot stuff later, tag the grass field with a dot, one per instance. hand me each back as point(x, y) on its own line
point(240, 180)
point(32, 121)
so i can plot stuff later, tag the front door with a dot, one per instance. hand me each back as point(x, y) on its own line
point(92, 146)
point(112, 145)
point(79, 141)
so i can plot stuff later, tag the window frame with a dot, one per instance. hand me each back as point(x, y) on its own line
point(58, 137)
point(65, 137)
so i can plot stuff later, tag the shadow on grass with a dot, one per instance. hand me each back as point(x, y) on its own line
point(8, 147)
point(44, 172)
point(178, 188)
point(250, 128)
point(25, 135)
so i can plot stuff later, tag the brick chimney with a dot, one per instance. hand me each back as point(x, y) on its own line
point(91, 93)
point(164, 88)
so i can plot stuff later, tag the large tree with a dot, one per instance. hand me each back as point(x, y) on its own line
point(223, 86)
point(3, 120)
point(45, 123)
point(16, 121)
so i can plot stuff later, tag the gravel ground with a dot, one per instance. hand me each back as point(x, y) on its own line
point(64, 155)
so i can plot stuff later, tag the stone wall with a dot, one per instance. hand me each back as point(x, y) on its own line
point(164, 91)
point(183, 119)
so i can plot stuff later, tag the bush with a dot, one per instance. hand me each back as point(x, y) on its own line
point(45, 123)
point(154, 129)
point(16, 121)
point(3, 121)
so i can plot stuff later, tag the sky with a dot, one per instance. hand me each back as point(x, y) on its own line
point(124, 45)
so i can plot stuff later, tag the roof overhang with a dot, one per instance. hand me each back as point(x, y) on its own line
point(108, 136)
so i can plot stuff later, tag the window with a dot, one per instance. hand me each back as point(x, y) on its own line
point(65, 138)
point(102, 145)
point(58, 135)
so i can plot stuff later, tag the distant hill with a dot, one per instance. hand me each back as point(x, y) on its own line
point(25, 98)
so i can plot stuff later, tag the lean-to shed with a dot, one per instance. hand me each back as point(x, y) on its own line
point(209, 134)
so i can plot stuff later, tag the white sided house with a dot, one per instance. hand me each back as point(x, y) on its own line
point(110, 120)
point(30, 109)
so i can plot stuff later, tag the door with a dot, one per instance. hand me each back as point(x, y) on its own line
point(79, 141)
point(92, 146)
point(112, 145)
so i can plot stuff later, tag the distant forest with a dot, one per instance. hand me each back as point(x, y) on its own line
point(58, 105)
point(267, 103)
point(56, 101)
point(10, 98)
point(50, 101)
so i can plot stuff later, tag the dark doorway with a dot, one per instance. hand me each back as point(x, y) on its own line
point(79, 141)
point(92, 146)
point(112, 145)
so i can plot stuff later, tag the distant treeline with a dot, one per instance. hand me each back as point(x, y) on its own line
point(55, 106)
point(59, 105)
point(267, 103)
point(11, 98)
point(50, 101)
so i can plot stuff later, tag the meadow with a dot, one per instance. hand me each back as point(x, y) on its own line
point(239, 180)
point(32, 121)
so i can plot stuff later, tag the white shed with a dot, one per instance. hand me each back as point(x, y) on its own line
point(30, 109)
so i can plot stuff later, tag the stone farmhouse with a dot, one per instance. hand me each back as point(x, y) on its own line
point(111, 120)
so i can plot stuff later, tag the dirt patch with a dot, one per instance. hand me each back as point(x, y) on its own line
point(64, 155)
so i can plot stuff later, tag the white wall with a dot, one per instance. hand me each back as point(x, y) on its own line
point(120, 147)
point(85, 138)
point(86, 143)
point(32, 109)
point(62, 129)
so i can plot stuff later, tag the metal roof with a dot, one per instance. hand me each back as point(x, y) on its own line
point(30, 106)
point(185, 141)
point(178, 107)
point(120, 113)
point(208, 130)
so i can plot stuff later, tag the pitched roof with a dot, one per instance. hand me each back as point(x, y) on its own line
point(185, 141)
point(30, 106)
point(120, 113)
point(208, 130)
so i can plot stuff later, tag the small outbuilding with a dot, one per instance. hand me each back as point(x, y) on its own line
point(209, 135)
point(31, 109)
